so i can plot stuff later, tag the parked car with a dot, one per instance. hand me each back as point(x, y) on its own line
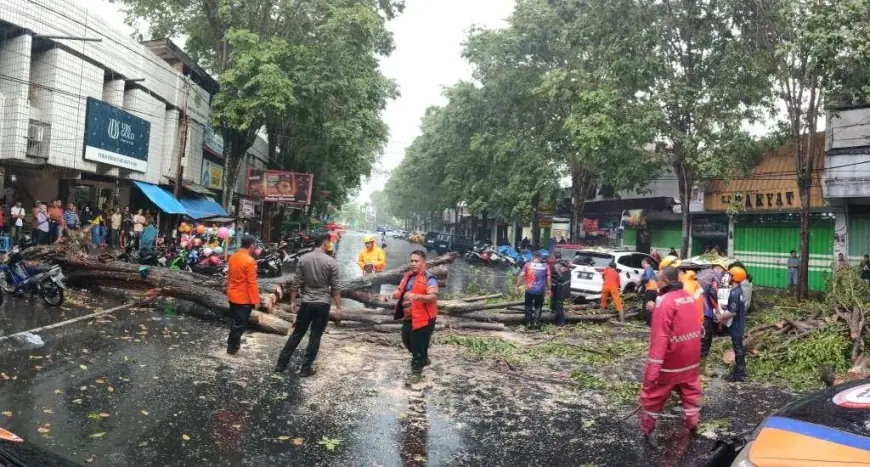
point(429, 242)
point(397, 234)
point(830, 427)
point(451, 242)
point(589, 264)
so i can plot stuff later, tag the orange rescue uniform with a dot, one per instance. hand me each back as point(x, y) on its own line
point(242, 279)
point(611, 289)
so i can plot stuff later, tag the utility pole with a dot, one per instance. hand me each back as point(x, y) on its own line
point(182, 128)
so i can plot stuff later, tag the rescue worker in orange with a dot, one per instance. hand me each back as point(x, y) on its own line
point(674, 355)
point(242, 291)
point(417, 296)
point(611, 289)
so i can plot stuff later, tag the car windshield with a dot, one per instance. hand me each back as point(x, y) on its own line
point(597, 260)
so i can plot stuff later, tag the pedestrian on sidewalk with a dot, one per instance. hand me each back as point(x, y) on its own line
point(17, 220)
point(242, 291)
point(41, 225)
point(793, 264)
point(317, 279)
point(611, 289)
point(139, 226)
point(417, 297)
point(115, 232)
point(55, 220)
point(538, 281)
point(71, 217)
point(674, 356)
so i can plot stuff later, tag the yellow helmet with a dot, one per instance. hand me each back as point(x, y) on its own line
point(669, 261)
point(369, 238)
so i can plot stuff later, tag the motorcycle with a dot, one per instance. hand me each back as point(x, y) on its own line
point(16, 278)
point(269, 265)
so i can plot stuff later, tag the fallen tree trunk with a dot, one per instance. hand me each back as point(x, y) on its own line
point(397, 327)
point(206, 297)
point(516, 318)
point(379, 278)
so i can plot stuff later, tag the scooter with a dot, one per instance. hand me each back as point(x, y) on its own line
point(16, 278)
point(269, 265)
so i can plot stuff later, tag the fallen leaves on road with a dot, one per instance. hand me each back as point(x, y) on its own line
point(98, 435)
point(419, 458)
point(111, 389)
point(100, 381)
point(329, 443)
point(90, 459)
point(238, 427)
point(298, 441)
point(48, 411)
point(83, 367)
point(58, 391)
point(77, 401)
point(143, 444)
point(104, 415)
point(185, 437)
point(144, 412)
point(7, 413)
point(283, 438)
point(43, 429)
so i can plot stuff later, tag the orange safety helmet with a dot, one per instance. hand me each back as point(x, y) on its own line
point(738, 274)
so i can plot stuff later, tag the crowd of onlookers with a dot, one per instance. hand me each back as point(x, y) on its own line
point(112, 227)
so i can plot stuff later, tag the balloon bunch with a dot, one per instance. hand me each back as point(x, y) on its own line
point(204, 243)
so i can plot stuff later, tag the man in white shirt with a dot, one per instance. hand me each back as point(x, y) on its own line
point(138, 226)
point(17, 218)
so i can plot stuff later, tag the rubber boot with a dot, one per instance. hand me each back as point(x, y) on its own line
point(738, 374)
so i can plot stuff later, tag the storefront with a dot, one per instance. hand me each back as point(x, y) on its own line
point(709, 231)
point(764, 226)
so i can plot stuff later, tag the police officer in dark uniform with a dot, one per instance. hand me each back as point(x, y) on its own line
point(561, 288)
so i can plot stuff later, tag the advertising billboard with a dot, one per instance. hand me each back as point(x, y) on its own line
point(277, 185)
point(115, 137)
point(212, 175)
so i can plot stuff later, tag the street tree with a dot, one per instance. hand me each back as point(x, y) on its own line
point(688, 60)
point(306, 71)
point(817, 53)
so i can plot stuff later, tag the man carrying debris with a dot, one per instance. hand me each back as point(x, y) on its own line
point(242, 291)
point(736, 315)
point(317, 278)
point(674, 356)
point(538, 281)
point(417, 296)
point(709, 280)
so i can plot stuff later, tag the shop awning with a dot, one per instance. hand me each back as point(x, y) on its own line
point(201, 208)
point(161, 198)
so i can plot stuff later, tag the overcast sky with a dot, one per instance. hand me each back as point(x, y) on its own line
point(428, 37)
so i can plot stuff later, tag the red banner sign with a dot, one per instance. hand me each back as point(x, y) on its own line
point(277, 185)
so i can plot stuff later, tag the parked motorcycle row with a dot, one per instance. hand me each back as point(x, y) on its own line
point(19, 279)
point(485, 254)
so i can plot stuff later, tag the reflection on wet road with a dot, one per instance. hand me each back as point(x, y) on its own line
point(151, 387)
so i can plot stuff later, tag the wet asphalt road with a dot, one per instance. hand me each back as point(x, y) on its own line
point(152, 387)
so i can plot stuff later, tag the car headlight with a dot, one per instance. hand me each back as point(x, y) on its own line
point(742, 459)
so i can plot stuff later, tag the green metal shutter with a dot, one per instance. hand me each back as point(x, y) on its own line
point(859, 238)
point(629, 238)
point(666, 236)
point(764, 249)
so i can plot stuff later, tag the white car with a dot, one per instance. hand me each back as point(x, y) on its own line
point(589, 264)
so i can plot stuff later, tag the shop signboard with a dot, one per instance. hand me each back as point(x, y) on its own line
point(212, 175)
point(115, 137)
point(213, 141)
point(590, 226)
point(545, 215)
point(247, 208)
point(277, 185)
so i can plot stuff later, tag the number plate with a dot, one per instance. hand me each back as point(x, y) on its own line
point(584, 275)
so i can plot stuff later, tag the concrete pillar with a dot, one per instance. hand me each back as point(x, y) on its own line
point(841, 234)
point(113, 92)
point(15, 62)
point(731, 236)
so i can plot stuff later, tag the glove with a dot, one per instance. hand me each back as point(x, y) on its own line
point(651, 373)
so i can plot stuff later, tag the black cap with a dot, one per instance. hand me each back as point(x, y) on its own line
point(248, 240)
